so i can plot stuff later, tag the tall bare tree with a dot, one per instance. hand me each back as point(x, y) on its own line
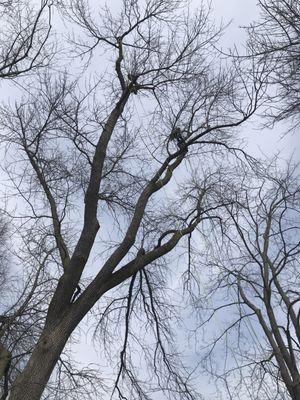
point(94, 169)
point(24, 37)
point(275, 40)
point(24, 47)
point(5, 355)
point(256, 289)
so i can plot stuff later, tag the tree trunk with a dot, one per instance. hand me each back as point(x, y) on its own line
point(31, 383)
point(5, 357)
point(295, 392)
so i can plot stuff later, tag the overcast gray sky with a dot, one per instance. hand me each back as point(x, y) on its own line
point(260, 141)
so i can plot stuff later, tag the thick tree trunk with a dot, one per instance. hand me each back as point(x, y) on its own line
point(32, 381)
point(295, 392)
point(5, 357)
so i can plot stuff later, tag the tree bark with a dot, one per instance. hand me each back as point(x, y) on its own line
point(295, 392)
point(31, 383)
point(5, 357)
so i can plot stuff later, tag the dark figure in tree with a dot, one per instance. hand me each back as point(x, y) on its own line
point(176, 134)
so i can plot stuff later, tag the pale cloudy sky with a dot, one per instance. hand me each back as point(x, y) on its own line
point(260, 142)
point(241, 13)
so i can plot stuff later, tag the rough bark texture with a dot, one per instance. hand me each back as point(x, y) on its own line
point(5, 357)
point(33, 380)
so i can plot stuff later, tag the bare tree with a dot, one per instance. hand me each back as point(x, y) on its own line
point(5, 355)
point(275, 40)
point(24, 34)
point(24, 302)
point(256, 288)
point(25, 47)
point(93, 169)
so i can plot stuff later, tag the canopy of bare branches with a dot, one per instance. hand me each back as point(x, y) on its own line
point(131, 210)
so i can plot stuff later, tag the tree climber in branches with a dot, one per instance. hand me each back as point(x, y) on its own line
point(176, 134)
point(133, 80)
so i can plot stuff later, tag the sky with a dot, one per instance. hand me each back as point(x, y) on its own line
point(260, 141)
point(241, 13)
